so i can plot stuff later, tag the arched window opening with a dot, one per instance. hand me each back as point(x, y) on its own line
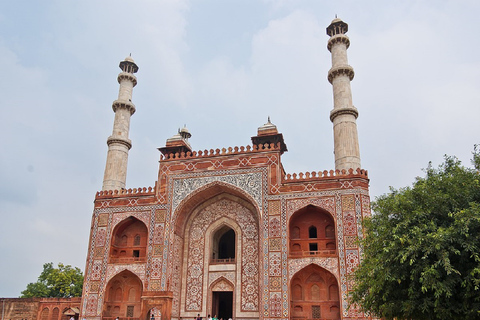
point(128, 243)
point(132, 294)
point(224, 245)
point(312, 229)
point(118, 294)
point(295, 234)
point(136, 241)
point(315, 292)
point(312, 232)
point(333, 292)
point(297, 292)
point(329, 232)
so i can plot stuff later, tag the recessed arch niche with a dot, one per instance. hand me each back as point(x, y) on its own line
point(314, 294)
point(311, 232)
point(123, 296)
point(129, 241)
point(219, 213)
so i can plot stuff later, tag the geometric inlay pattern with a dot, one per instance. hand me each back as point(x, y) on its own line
point(350, 225)
point(274, 207)
point(275, 228)
point(96, 270)
point(158, 234)
point(156, 268)
point(249, 255)
point(295, 265)
point(275, 264)
point(275, 304)
point(102, 219)
point(213, 276)
point(351, 242)
point(348, 203)
point(101, 234)
point(352, 260)
point(275, 244)
point(222, 285)
point(366, 206)
point(275, 283)
point(249, 182)
point(160, 215)
point(327, 203)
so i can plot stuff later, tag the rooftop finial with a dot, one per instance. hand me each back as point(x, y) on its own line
point(269, 119)
point(335, 16)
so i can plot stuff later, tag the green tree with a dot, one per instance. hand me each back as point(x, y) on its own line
point(422, 248)
point(62, 282)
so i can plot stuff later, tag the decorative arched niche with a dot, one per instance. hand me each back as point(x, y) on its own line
point(129, 242)
point(123, 296)
point(312, 232)
point(314, 294)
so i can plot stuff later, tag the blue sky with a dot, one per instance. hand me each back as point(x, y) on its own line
point(221, 68)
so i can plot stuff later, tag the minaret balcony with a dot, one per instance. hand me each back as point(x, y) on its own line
point(119, 104)
point(127, 76)
point(338, 38)
point(339, 71)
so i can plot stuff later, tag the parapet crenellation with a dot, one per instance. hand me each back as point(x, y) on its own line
point(127, 192)
point(224, 151)
point(350, 173)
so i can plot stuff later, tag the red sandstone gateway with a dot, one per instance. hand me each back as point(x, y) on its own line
point(227, 231)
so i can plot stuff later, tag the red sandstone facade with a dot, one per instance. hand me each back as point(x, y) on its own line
point(291, 253)
point(227, 232)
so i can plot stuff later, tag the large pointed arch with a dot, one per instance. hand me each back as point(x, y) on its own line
point(201, 196)
point(195, 223)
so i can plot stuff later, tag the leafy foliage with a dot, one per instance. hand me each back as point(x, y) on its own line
point(422, 248)
point(61, 282)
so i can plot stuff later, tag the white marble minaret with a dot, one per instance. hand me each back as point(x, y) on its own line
point(344, 114)
point(118, 143)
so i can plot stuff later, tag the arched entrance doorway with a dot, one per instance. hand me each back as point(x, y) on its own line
point(123, 296)
point(314, 294)
point(222, 299)
point(217, 235)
